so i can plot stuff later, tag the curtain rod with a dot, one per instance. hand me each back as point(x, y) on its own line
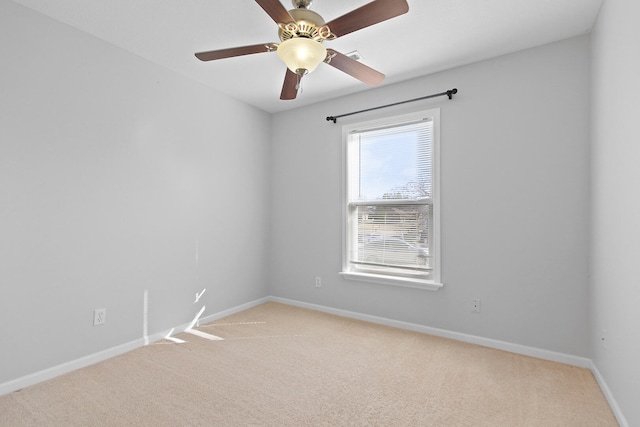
point(449, 93)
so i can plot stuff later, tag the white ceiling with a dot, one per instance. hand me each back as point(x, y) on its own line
point(433, 36)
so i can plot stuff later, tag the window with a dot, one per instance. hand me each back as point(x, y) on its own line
point(391, 225)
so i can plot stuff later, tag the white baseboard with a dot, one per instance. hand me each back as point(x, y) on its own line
point(237, 309)
point(568, 359)
point(607, 393)
point(49, 373)
point(54, 371)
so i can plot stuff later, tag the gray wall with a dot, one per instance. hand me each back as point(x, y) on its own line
point(515, 200)
point(615, 287)
point(114, 173)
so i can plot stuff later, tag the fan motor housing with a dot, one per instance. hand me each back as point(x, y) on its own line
point(306, 25)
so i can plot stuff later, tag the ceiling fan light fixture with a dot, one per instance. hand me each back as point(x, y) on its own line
point(302, 54)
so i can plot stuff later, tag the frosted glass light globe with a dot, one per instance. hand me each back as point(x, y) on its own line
point(301, 53)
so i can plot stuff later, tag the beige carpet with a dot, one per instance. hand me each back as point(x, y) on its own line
point(285, 366)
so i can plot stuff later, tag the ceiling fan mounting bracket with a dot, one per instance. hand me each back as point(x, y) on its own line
point(301, 4)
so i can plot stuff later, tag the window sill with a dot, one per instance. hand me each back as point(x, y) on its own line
point(428, 285)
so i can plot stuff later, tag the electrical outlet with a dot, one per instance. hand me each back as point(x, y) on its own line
point(476, 305)
point(99, 316)
point(318, 282)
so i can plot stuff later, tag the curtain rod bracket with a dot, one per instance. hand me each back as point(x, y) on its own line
point(448, 93)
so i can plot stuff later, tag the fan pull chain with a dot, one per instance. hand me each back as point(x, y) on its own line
point(299, 83)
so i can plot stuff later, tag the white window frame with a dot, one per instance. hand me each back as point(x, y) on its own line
point(347, 271)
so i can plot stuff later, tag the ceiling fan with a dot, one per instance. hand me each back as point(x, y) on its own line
point(302, 32)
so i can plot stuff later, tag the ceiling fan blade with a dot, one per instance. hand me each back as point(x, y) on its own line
point(354, 68)
point(236, 51)
point(367, 15)
point(276, 11)
point(290, 86)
